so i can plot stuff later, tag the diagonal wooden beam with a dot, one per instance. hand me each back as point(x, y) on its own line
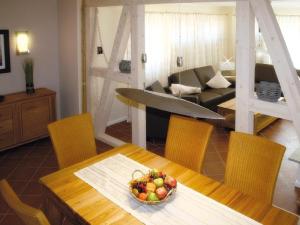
point(107, 96)
point(245, 62)
point(280, 56)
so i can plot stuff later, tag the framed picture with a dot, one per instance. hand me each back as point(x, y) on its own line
point(4, 52)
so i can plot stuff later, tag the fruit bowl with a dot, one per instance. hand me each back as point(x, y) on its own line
point(152, 188)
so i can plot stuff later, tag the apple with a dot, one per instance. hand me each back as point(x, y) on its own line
point(143, 196)
point(150, 187)
point(158, 182)
point(152, 197)
point(171, 181)
point(135, 192)
point(154, 173)
point(161, 192)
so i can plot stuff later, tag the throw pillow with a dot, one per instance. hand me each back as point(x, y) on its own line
point(218, 81)
point(179, 89)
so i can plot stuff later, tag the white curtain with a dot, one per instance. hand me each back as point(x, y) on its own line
point(290, 27)
point(201, 40)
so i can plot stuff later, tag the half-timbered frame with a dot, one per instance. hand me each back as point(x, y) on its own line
point(132, 23)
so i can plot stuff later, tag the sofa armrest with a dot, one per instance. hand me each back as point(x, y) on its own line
point(231, 79)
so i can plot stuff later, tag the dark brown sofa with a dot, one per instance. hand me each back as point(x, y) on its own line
point(198, 77)
point(157, 120)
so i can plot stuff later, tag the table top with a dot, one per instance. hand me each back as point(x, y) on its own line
point(230, 104)
point(90, 207)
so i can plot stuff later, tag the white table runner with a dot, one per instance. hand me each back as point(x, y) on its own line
point(111, 176)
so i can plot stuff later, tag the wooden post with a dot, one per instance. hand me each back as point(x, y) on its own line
point(121, 39)
point(137, 20)
point(245, 62)
point(280, 56)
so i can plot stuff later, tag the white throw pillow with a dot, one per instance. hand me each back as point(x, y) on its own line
point(218, 81)
point(179, 89)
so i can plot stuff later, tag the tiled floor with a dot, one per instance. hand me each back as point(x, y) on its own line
point(23, 166)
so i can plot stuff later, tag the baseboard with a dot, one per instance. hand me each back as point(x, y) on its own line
point(112, 122)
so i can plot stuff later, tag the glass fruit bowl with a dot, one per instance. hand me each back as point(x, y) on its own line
point(152, 188)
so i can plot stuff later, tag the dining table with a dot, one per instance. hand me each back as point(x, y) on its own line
point(67, 197)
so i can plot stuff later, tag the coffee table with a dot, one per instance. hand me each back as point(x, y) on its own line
point(227, 109)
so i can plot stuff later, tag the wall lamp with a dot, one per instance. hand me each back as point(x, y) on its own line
point(22, 38)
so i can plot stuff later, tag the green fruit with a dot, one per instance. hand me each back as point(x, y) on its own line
point(159, 182)
point(135, 192)
point(154, 173)
point(152, 197)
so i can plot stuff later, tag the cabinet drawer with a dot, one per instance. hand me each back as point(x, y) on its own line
point(35, 116)
point(6, 126)
point(6, 113)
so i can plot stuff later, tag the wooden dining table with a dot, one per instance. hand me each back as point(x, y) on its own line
point(67, 196)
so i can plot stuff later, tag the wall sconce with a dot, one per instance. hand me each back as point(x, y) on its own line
point(22, 42)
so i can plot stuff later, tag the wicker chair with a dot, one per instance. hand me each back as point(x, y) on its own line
point(28, 214)
point(187, 141)
point(253, 164)
point(73, 139)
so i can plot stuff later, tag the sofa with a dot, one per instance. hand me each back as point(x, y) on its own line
point(157, 120)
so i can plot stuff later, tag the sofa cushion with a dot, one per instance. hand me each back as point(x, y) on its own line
point(265, 72)
point(207, 98)
point(223, 91)
point(218, 81)
point(157, 87)
point(187, 77)
point(179, 89)
point(204, 74)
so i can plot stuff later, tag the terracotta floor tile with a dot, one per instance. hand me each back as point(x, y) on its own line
point(50, 161)
point(43, 171)
point(211, 157)
point(31, 162)
point(22, 174)
point(33, 188)
point(214, 168)
point(33, 200)
point(5, 172)
point(223, 155)
point(3, 206)
point(11, 220)
point(18, 186)
point(10, 162)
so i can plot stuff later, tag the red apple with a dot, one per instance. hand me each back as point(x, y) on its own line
point(161, 192)
point(171, 181)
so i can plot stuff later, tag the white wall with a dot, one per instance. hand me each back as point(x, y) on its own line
point(70, 56)
point(40, 19)
point(108, 22)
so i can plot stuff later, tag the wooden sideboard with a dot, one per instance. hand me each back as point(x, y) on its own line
point(24, 118)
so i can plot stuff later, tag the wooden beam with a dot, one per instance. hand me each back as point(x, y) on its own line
point(137, 21)
point(112, 141)
point(107, 96)
point(115, 76)
point(278, 109)
point(103, 3)
point(280, 56)
point(245, 63)
point(90, 33)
